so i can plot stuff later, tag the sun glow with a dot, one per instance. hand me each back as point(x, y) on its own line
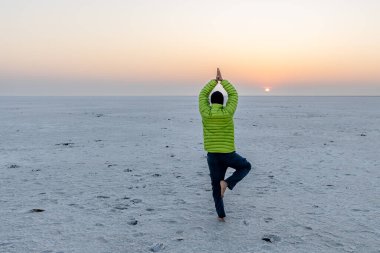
point(267, 89)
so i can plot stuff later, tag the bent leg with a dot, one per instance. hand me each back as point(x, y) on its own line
point(217, 173)
point(241, 166)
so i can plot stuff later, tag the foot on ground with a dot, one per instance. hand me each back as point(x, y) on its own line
point(221, 219)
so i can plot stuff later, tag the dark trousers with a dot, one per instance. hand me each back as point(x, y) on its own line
point(218, 164)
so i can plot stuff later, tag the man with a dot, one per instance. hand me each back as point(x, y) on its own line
point(218, 134)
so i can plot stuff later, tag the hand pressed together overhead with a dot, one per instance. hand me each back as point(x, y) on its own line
point(218, 75)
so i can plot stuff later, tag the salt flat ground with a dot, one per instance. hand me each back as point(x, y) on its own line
point(129, 174)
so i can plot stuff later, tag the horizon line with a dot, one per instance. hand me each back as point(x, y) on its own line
point(186, 95)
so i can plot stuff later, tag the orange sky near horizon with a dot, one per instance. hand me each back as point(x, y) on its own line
point(259, 43)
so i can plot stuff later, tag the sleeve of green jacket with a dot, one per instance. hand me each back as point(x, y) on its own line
point(232, 97)
point(204, 104)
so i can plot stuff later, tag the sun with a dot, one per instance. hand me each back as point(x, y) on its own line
point(267, 89)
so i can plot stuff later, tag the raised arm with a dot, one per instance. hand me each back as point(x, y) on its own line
point(204, 104)
point(232, 97)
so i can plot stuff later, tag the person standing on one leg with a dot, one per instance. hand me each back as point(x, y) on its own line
point(219, 140)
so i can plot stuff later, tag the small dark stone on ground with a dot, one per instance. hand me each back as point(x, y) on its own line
point(68, 144)
point(132, 222)
point(121, 207)
point(271, 238)
point(14, 166)
point(102, 197)
point(157, 247)
point(268, 219)
point(363, 135)
point(127, 170)
point(135, 201)
point(37, 210)
point(156, 175)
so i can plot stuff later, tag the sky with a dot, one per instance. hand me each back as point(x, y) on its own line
point(173, 47)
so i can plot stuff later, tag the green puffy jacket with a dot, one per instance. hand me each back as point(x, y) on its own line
point(218, 123)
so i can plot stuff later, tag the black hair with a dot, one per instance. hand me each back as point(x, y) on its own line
point(217, 98)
